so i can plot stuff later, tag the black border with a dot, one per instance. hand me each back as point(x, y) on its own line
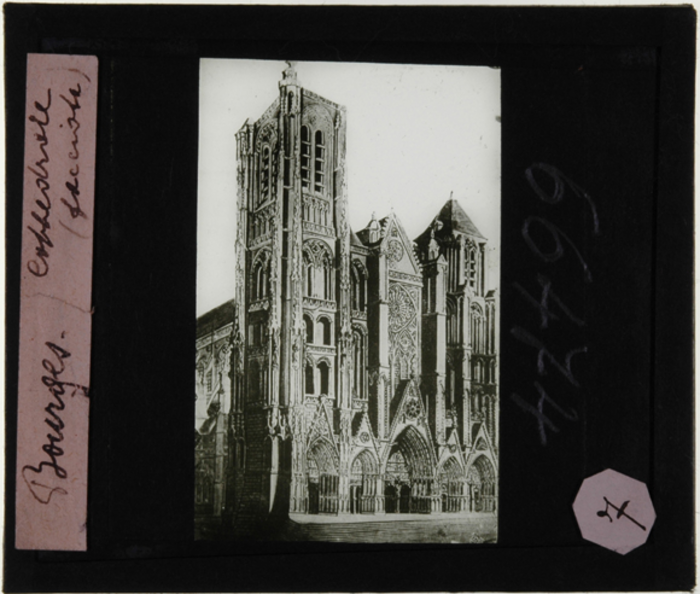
point(144, 266)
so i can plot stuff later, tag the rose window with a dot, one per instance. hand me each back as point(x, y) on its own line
point(401, 308)
point(394, 251)
point(412, 409)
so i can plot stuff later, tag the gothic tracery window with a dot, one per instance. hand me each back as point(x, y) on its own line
point(319, 273)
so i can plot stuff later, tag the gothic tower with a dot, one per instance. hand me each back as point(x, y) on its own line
point(293, 330)
point(461, 322)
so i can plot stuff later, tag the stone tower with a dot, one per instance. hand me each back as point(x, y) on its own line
point(293, 247)
point(460, 316)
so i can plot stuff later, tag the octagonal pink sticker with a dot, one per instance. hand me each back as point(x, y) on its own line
point(614, 511)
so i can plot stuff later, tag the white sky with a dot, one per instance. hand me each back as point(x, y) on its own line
point(414, 134)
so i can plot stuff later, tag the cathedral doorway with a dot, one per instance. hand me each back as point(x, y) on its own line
point(452, 486)
point(409, 467)
point(482, 486)
point(363, 483)
point(323, 480)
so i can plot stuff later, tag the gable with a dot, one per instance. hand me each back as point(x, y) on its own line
point(362, 434)
point(451, 449)
point(482, 447)
point(407, 408)
point(399, 248)
point(321, 425)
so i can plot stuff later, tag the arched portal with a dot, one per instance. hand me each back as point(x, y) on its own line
point(481, 479)
point(410, 470)
point(363, 483)
point(452, 487)
point(322, 468)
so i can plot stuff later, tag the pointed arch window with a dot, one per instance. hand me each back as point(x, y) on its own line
point(305, 157)
point(359, 366)
point(309, 325)
point(319, 161)
point(319, 271)
point(326, 328)
point(308, 276)
point(452, 322)
point(359, 288)
point(308, 378)
point(261, 281)
point(327, 278)
point(477, 329)
point(324, 373)
point(478, 371)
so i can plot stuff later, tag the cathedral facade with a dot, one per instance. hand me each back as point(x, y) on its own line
point(352, 373)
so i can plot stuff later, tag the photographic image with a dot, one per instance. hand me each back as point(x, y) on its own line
point(347, 353)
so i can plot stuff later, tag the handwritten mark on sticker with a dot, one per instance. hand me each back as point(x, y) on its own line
point(56, 303)
point(614, 511)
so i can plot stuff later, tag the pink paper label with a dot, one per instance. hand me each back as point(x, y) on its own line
point(614, 511)
point(55, 315)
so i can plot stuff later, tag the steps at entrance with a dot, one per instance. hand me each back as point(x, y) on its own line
point(397, 528)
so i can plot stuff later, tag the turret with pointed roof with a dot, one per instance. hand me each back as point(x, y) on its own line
point(454, 218)
point(453, 254)
point(450, 222)
point(462, 245)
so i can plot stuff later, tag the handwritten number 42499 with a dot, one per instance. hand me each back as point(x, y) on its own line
point(548, 300)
